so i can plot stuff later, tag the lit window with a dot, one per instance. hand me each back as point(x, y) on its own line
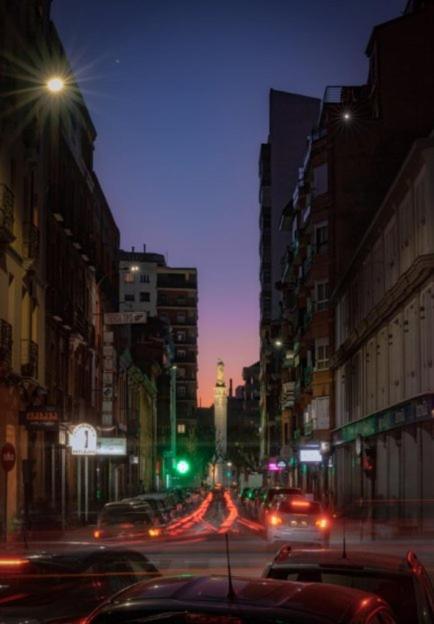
point(180, 336)
point(145, 296)
point(181, 428)
point(129, 278)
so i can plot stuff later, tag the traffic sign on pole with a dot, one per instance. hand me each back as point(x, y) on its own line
point(8, 457)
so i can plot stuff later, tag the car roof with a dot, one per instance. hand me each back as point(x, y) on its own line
point(333, 557)
point(321, 599)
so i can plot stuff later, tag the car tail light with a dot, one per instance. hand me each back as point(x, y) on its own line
point(154, 532)
point(300, 504)
point(322, 523)
point(97, 534)
point(274, 520)
point(12, 563)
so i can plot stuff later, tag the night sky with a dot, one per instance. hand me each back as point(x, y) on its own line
point(178, 92)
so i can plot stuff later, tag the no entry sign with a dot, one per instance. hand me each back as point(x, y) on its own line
point(8, 456)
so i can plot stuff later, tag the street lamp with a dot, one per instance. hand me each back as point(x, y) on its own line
point(346, 115)
point(278, 343)
point(134, 268)
point(55, 84)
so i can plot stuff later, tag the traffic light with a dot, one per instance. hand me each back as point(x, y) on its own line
point(369, 461)
point(182, 466)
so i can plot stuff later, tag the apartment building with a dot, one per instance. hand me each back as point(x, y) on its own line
point(354, 152)
point(383, 362)
point(291, 117)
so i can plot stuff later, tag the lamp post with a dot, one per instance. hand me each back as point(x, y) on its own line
point(173, 417)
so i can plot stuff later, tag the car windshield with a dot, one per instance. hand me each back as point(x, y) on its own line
point(216, 302)
point(398, 590)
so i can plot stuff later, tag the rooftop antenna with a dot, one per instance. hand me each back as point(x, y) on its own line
point(231, 592)
point(344, 540)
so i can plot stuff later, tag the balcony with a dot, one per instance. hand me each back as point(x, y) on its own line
point(177, 281)
point(288, 394)
point(6, 214)
point(29, 358)
point(180, 302)
point(187, 322)
point(5, 345)
point(30, 241)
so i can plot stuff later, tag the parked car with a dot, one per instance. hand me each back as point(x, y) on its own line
point(297, 519)
point(268, 497)
point(403, 583)
point(126, 520)
point(209, 600)
point(42, 587)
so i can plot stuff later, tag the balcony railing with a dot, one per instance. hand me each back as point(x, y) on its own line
point(29, 358)
point(181, 302)
point(6, 214)
point(5, 344)
point(31, 241)
point(187, 322)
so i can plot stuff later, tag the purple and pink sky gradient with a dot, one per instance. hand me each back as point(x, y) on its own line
point(178, 91)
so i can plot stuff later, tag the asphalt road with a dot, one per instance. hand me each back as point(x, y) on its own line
point(197, 545)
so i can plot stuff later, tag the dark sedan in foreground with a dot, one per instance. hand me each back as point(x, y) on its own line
point(51, 587)
point(211, 600)
point(402, 582)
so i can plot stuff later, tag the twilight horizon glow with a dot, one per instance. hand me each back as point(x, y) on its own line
point(178, 92)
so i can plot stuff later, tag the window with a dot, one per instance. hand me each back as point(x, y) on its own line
point(129, 277)
point(321, 238)
point(181, 354)
point(130, 298)
point(180, 391)
point(180, 317)
point(321, 353)
point(145, 296)
point(322, 295)
point(144, 278)
point(180, 336)
point(181, 428)
point(180, 372)
point(320, 182)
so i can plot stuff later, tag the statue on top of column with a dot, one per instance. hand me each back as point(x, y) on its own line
point(220, 373)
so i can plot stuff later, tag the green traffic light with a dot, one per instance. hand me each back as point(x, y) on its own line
point(182, 467)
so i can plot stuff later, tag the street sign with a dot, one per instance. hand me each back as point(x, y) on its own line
point(112, 446)
point(8, 457)
point(125, 318)
point(83, 440)
point(41, 419)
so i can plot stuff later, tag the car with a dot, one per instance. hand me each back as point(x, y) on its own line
point(297, 519)
point(63, 587)
point(215, 600)
point(268, 496)
point(402, 582)
point(127, 519)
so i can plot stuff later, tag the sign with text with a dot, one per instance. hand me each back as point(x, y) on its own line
point(41, 418)
point(125, 318)
point(112, 446)
point(83, 440)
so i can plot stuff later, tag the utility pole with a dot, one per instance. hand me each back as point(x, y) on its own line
point(173, 418)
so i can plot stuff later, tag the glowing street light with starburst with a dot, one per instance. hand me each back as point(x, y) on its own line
point(55, 84)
